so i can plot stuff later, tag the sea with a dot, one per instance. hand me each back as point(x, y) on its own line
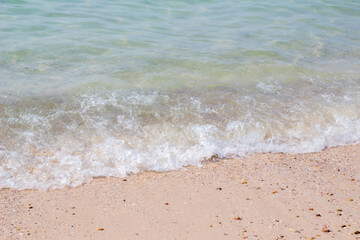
point(92, 88)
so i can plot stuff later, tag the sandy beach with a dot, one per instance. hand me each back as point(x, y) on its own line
point(262, 196)
point(186, 120)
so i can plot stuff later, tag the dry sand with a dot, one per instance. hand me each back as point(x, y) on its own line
point(263, 196)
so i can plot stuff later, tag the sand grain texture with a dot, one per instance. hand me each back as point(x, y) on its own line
point(262, 196)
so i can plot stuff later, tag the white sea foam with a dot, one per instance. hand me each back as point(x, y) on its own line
point(65, 142)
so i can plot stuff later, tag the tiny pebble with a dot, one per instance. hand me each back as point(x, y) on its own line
point(100, 229)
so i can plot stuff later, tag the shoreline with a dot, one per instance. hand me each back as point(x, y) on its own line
point(259, 196)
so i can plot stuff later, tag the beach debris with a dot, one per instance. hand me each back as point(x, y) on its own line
point(357, 232)
point(274, 192)
point(124, 179)
point(100, 229)
point(219, 188)
point(339, 210)
point(325, 229)
point(311, 209)
point(211, 226)
point(244, 182)
point(350, 200)
point(213, 157)
point(343, 226)
point(237, 218)
point(166, 203)
point(352, 179)
point(318, 215)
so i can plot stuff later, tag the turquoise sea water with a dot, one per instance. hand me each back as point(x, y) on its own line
point(108, 88)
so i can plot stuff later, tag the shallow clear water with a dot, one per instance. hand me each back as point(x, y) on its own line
point(107, 88)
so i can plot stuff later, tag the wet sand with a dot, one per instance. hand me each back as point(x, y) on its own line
point(262, 196)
